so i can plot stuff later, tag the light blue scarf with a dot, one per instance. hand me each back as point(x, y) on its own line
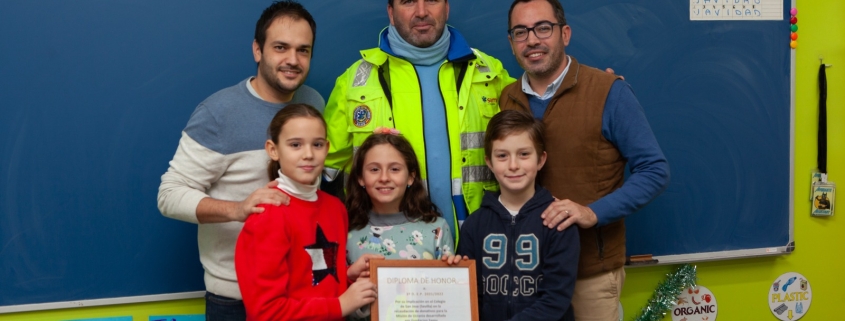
point(434, 54)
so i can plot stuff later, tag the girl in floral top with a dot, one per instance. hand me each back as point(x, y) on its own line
point(390, 212)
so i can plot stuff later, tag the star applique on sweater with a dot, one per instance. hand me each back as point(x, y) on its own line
point(323, 257)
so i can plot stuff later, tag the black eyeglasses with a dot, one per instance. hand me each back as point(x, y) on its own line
point(542, 30)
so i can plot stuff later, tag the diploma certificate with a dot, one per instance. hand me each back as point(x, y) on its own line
point(428, 290)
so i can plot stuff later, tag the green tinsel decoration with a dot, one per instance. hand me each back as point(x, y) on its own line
point(664, 297)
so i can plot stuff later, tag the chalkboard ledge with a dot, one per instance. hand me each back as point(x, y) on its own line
point(100, 302)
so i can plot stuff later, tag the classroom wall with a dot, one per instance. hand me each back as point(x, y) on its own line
point(740, 286)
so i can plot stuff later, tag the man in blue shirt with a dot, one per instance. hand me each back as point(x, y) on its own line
point(595, 127)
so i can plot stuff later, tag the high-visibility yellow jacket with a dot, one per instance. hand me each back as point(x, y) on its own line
point(382, 90)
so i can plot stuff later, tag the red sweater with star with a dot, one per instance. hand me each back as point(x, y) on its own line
point(291, 260)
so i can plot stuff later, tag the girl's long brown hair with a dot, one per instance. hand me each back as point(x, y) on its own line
point(415, 203)
point(283, 116)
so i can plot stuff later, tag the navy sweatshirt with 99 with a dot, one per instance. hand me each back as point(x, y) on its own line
point(525, 270)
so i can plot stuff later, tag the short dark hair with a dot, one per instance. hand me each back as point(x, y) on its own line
point(280, 119)
point(416, 203)
point(514, 122)
point(286, 8)
point(556, 6)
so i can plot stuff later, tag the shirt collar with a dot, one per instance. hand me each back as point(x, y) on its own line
point(252, 89)
point(551, 89)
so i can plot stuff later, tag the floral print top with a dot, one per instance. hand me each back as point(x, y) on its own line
point(410, 240)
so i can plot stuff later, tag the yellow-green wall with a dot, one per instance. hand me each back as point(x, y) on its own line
point(740, 286)
point(139, 311)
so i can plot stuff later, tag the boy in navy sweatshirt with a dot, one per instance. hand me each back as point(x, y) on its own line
point(526, 271)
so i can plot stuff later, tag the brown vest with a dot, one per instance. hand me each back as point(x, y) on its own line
point(582, 165)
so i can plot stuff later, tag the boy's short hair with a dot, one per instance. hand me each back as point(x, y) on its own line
point(514, 122)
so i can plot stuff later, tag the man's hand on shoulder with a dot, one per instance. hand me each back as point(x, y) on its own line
point(211, 210)
point(610, 71)
point(564, 213)
point(268, 194)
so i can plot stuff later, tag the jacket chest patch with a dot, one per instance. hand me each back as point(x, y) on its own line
point(361, 116)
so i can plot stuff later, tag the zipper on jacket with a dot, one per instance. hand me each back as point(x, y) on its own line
point(600, 243)
point(511, 253)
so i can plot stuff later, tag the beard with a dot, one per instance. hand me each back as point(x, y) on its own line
point(269, 74)
point(554, 59)
point(420, 40)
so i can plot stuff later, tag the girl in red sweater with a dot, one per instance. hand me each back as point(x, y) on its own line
point(291, 260)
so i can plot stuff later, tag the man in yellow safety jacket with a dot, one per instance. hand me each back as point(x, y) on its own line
point(424, 80)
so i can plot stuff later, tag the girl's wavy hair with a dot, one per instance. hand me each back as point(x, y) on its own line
point(415, 203)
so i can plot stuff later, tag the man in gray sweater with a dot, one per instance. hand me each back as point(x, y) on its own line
point(218, 174)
